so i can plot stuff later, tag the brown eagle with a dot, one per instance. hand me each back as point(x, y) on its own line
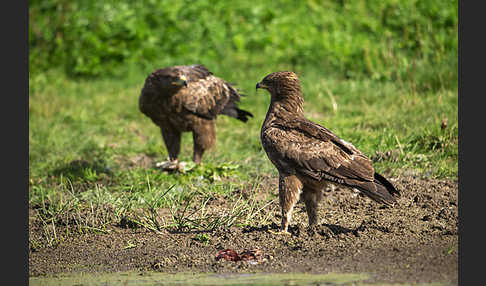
point(188, 99)
point(308, 155)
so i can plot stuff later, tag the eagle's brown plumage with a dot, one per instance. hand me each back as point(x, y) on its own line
point(308, 155)
point(188, 99)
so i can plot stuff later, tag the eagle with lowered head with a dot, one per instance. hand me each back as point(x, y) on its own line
point(308, 155)
point(188, 99)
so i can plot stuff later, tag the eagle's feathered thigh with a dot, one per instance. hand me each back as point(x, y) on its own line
point(308, 155)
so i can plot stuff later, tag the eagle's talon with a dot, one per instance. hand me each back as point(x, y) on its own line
point(168, 165)
point(279, 232)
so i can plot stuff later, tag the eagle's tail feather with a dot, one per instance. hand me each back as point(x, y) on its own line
point(237, 113)
point(380, 190)
point(243, 115)
point(231, 109)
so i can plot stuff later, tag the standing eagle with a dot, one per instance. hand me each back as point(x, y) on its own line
point(308, 155)
point(188, 99)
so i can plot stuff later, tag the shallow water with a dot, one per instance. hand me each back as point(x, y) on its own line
point(155, 278)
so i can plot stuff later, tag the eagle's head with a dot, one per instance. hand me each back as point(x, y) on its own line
point(284, 86)
point(171, 78)
point(281, 84)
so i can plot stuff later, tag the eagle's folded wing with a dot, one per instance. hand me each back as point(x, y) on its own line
point(313, 150)
point(207, 95)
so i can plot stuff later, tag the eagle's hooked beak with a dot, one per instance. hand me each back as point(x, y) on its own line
point(261, 85)
point(180, 81)
point(184, 80)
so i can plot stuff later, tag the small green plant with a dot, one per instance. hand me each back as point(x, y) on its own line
point(129, 245)
point(202, 237)
point(450, 249)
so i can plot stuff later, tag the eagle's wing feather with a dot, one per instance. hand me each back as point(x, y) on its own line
point(195, 72)
point(206, 95)
point(314, 150)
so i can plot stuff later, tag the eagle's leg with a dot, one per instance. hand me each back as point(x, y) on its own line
point(289, 189)
point(203, 137)
point(311, 197)
point(172, 140)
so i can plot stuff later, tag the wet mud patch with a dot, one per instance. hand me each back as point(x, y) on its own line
point(157, 278)
point(413, 242)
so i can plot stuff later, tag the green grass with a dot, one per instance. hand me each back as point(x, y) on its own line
point(380, 74)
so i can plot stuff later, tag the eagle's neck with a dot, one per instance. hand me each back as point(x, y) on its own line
point(284, 107)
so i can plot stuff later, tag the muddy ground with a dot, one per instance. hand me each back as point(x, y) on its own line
point(414, 242)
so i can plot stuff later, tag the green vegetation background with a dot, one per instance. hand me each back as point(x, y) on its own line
point(380, 73)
